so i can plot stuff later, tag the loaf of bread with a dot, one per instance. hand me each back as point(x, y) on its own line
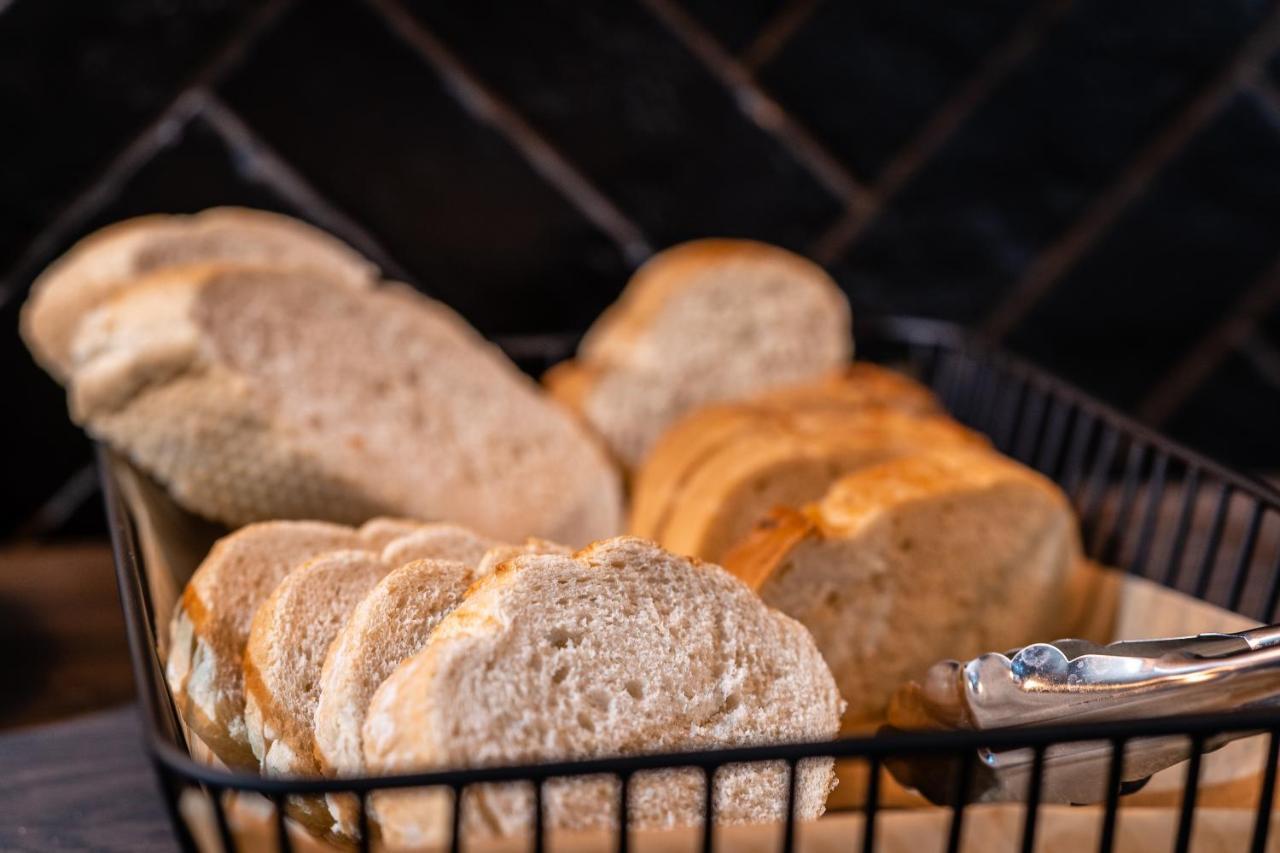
point(705, 321)
point(109, 260)
point(210, 625)
point(622, 648)
point(942, 554)
point(256, 393)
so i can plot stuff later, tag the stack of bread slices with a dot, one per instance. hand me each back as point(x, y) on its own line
point(308, 648)
point(258, 369)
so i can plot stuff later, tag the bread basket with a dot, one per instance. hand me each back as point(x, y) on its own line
point(1163, 514)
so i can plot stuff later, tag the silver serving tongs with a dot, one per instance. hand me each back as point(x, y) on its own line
point(1079, 681)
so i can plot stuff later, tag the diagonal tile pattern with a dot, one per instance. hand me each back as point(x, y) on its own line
point(1096, 182)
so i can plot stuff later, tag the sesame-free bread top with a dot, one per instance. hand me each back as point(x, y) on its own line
point(946, 553)
point(701, 322)
point(784, 457)
point(698, 436)
point(621, 648)
point(254, 393)
point(210, 624)
point(112, 258)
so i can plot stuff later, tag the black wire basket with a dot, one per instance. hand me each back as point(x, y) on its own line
point(1147, 506)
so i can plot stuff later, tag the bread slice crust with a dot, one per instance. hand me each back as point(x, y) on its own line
point(109, 260)
point(210, 625)
point(702, 322)
point(622, 648)
point(948, 553)
point(788, 463)
point(205, 371)
point(700, 434)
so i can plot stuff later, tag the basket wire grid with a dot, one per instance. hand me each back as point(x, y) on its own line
point(1146, 505)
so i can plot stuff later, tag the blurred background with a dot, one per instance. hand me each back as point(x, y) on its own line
point(1094, 185)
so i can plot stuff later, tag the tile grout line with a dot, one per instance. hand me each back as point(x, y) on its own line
point(763, 110)
point(1233, 332)
point(160, 133)
point(776, 32)
point(1265, 358)
point(1227, 335)
point(920, 149)
point(259, 161)
point(1266, 94)
point(74, 492)
point(156, 135)
point(1054, 262)
point(487, 107)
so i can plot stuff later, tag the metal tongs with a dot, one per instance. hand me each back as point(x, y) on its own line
point(1079, 681)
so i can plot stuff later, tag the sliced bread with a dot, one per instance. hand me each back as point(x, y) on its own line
point(943, 554)
point(694, 438)
point(390, 624)
point(704, 321)
point(227, 386)
point(438, 541)
point(622, 648)
point(378, 533)
point(288, 642)
point(789, 461)
point(110, 259)
point(210, 625)
point(502, 553)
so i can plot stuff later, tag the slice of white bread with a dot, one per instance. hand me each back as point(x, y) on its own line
point(693, 439)
point(390, 624)
point(253, 393)
point(288, 641)
point(378, 533)
point(439, 541)
point(944, 554)
point(704, 321)
point(622, 648)
point(501, 553)
point(110, 259)
point(210, 625)
point(788, 460)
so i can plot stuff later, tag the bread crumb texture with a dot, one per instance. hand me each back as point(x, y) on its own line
point(622, 648)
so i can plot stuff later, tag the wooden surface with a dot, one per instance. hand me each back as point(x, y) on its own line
point(62, 633)
point(83, 784)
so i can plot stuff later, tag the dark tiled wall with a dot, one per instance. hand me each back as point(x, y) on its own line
point(1095, 184)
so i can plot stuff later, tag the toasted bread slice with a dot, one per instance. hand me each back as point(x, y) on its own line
point(789, 463)
point(697, 436)
point(110, 259)
point(622, 648)
point(942, 554)
point(203, 373)
point(702, 322)
point(210, 624)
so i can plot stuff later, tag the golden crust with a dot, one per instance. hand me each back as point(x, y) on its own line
point(698, 437)
point(666, 274)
